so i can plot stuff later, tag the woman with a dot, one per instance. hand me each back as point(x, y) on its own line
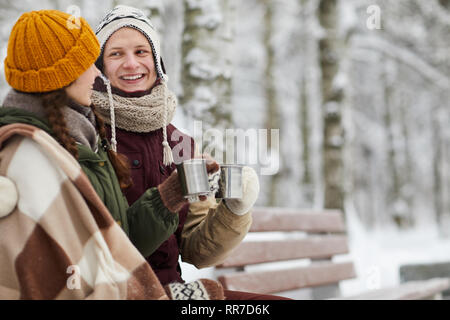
point(51, 69)
point(138, 106)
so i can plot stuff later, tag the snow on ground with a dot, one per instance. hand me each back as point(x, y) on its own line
point(378, 255)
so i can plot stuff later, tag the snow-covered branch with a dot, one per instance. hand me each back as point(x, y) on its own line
point(434, 11)
point(404, 56)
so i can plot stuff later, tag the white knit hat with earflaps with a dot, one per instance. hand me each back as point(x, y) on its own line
point(120, 17)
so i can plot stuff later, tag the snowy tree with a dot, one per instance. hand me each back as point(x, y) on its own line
point(332, 94)
point(206, 72)
point(310, 103)
point(272, 120)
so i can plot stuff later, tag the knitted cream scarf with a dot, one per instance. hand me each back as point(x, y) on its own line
point(143, 114)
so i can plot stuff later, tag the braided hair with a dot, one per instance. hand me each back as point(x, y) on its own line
point(119, 161)
point(53, 102)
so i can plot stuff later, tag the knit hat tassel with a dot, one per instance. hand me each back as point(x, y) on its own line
point(112, 114)
point(168, 157)
point(167, 154)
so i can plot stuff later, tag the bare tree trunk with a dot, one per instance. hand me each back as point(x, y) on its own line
point(206, 62)
point(393, 192)
point(407, 193)
point(329, 54)
point(437, 163)
point(439, 120)
point(305, 119)
point(399, 195)
point(305, 131)
point(272, 109)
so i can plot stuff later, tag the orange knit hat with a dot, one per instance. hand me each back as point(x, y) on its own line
point(46, 51)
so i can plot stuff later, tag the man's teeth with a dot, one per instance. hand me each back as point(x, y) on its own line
point(132, 77)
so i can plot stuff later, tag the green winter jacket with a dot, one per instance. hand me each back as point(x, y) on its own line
point(147, 222)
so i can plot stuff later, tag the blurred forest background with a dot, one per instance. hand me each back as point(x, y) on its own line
point(358, 89)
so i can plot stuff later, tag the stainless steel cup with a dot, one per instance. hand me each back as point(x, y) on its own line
point(230, 183)
point(193, 178)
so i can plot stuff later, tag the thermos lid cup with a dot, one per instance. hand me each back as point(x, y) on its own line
point(230, 182)
point(193, 178)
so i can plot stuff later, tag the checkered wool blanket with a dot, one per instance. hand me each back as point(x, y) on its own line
point(60, 241)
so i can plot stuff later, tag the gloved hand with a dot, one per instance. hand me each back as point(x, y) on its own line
point(250, 191)
point(202, 289)
point(212, 168)
point(8, 196)
point(171, 192)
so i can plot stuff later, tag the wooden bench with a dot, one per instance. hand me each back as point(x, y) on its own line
point(311, 239)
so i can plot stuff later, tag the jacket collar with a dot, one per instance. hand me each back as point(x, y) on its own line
point(9, 115)
point(80, 120)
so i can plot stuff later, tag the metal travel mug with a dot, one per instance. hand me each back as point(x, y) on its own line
point(230, 182)
point(193, 178)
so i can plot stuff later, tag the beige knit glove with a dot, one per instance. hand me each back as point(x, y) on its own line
point(250, 191)
point(8, 196)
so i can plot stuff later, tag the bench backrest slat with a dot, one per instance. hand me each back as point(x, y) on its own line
point(315, 247)
point(288, 279)
point(285, 219)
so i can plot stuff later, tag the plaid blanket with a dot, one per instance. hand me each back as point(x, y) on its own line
point(60, 241)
